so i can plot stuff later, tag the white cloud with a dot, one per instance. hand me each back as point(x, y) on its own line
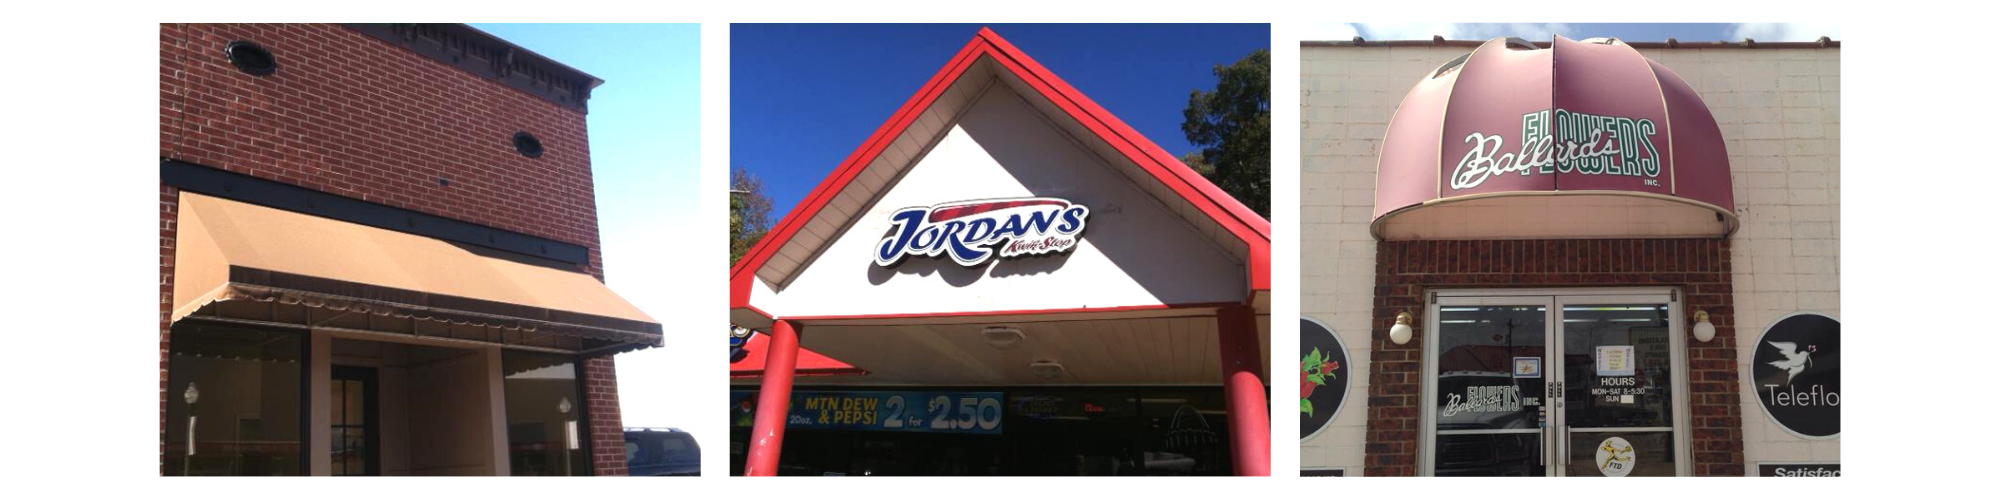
point(1328, 31)
point(1786, 32)
point(1533, 32)
point(1425, 31)
point(1413, 31)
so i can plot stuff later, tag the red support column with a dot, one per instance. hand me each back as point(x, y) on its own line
point(774, 399)
point(1249, 412)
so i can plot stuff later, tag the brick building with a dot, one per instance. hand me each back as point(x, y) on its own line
point(1620, 259)
point(1127, 339)
point(379, 255)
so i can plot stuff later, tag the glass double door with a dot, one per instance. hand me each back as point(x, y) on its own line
point(1543, 384)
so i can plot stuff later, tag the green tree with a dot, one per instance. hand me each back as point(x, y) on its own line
point(749, 212)
point(735, 225)
point(1200, 165)
point(1232, 125)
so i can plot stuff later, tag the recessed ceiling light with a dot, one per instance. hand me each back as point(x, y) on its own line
point(1003, 337)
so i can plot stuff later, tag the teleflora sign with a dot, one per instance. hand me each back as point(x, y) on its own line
point(972, 232)
point(1795, 371)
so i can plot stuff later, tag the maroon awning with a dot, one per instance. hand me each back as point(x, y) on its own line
point(1511, 125)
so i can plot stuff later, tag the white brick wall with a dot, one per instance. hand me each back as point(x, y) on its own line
point(1779, 110)
point(1346, 97)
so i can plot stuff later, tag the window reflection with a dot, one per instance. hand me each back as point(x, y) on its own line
point(1477, 349)
point(234, 400)
point(1636, 393)
point(1048, 431)
point(1489, 455)
point(546, 435)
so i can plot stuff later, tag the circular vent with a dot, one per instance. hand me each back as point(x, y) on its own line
point(251, 58)
point(526, 144)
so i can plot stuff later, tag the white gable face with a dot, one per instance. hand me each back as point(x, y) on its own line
point(1133, 251)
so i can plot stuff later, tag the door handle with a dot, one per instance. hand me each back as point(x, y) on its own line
point(1559, 426)
point(1545, 443)
point(1562, 448)
point(1548, 421)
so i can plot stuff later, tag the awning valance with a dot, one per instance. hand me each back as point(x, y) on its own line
point(246, 263)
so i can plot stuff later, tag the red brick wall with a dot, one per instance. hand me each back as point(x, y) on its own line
point(170, 202)
point(1405, 270)
point(351, 115)
point(607, 428)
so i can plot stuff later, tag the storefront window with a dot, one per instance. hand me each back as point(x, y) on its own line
point(1076, 432)
point(1187, 433)
point(1048, 431)
point(1477, 389)
point(1640, 392)
point(233, 402)
point(1146, 431)
point(546, 433)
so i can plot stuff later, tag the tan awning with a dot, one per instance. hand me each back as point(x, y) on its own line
point(246, 263)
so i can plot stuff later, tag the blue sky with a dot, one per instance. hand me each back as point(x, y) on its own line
point(645, 151)
point(1686, 32)
point(828, 87)
point(805, 96)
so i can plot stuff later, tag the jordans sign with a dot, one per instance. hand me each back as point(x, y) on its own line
point(972, 232)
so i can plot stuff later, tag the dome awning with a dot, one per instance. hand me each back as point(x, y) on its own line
point(1585, 139)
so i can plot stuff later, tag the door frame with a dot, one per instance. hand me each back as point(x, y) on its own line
point(370, 378)
point(1554, 443)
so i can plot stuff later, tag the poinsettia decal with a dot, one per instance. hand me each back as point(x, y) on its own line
point(1315, 370)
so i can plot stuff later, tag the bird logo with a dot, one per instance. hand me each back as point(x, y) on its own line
point(1615, 457)
point(1614, 452)
point(1795, 360)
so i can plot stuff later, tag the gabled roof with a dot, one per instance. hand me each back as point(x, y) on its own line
point(1234, 218)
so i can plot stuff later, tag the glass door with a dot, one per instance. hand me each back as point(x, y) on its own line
point(1545, 383)
point(1620, 386)
point(355, 438)
point(1488, 386)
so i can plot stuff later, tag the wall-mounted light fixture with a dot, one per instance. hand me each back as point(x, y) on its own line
point(1703, 330)
point(1400, 334)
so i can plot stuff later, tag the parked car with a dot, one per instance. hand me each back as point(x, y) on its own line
point(661, 452)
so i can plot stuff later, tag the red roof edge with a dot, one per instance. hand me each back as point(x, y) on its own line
point(1163, 166)
point(810, 362)
point(743, 274)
